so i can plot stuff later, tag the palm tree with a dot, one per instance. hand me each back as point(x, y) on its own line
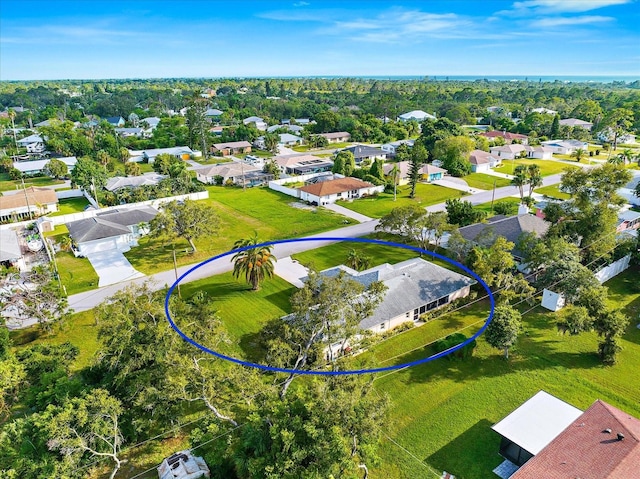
point(578, 154)
point(254, 263)
point(520, 179)
point(357, 261)
point(395, 172)
point(535, 178)
point(617, 160)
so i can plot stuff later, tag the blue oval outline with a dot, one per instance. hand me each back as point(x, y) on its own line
point(330, 373)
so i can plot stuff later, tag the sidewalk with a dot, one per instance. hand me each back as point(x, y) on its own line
point(348, 213)
point(498, 174)
point(456, 184)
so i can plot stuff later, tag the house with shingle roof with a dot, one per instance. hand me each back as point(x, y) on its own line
point(116, 121)
point(482, 161)
point(507, 152)
point(33, 143)
point(366, 152)
point(547, 438)
point(508, 137)
point(328, 192)
point(414, 287)
point(431, 173)
point(337, 136)
point(236, 172)
point(120, 182)
point(117, 229)
point(509, 227)
point(232, 148)
point(417, 115)
point(565, 147)
point(573, 122)
point(540, 152)
point(38, 201)
point(10, 250)
point(302, 164)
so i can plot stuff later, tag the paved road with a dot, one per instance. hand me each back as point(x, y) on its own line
point(90, 299)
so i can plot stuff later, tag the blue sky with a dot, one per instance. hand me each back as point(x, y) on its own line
point(89, 39)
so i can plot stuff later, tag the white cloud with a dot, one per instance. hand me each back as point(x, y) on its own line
point(552, 22)
point(529, 7)
point(301, 4)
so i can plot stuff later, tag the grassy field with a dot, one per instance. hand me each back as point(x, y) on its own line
point(443, 410)
point(380, 205)
point(71, 205)
point(77, 274)
point(483, 181)
point(7, 184)
point(553, 191)
point(547, 167)
point(486, 207)
point(267, 212)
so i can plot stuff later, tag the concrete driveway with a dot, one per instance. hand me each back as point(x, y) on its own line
point(291, 271)
point(112, 267)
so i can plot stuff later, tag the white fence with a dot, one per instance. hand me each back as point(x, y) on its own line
point(63, 219)
point(614, 269)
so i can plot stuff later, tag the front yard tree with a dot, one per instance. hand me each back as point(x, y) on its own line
point(454, 154)
point(462, 213)
point(618, 121)
point(255, 264)
point(418, 157)
point(503, 330)
point(534, 178)
point(132, 169)
point(86, 424)
point(189, 220)
point(197, 125)
point(325, 311)
point(344, 163)
point(56, 168)
point(357, 260)
point(87, 174)
point(579, 154)
point(519, 180)
point(271, 141)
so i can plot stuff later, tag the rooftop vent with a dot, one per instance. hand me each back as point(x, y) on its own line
point(620, 436)
point(608, 431)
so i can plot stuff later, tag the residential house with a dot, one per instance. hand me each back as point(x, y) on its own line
point(602, 442)
point(302, 164)
point(10, 250)
point(286, 139)
point(258, 122)
point(544, 111)
point(510, 227)
point(213, 114)
point(237, 172)
point(216, 130)
point(481, 161)
point(573, 122)
point(232, 148)
point(607, 135)
point(116, 121)
point(508, 152)
point(390, 148)
point(414, 287)
point(628, 191)
point(565, 147)
point(128, 132)
point(120, 182)
point(628, 220)
point(337, 136)
point(431, 173)
point(540, 152)
point(36, 167)
point(42, 123)
point(302, 121)
point(365, 152)
point(183, 465)
point(117, 229)
point(152, 122)
point(33, 143)
point(182, 152)
point(328, 192)
point(404, 169)
point(19, 205)
point(532, 426)
point(295, 129)
point(508, 137)
point(417, 115)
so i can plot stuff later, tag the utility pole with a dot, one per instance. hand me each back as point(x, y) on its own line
point(26, 197)
point(493, 195)
point(175, 269)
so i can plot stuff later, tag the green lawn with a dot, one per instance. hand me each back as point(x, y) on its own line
point(145, 167)
point(244, 312)
point(485, 182)
point(443, 410)
point(552, 191)
point(486, 207)
point(241, 213)
point(71, 205)
point(7, 184)
point(547, 167)
point(77, 274)
point(380, 205)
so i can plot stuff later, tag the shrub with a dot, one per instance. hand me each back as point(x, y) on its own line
point(505, 208)
point(453, 340)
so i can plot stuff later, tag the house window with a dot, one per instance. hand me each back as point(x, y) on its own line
point(443, 300)
point(339, 195)
point(407, 314)
point(382, 326)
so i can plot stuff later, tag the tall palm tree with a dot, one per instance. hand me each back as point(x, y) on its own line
point(395, 172)
point(617, 160)
point(520, 179)
point(254, 263)
point(578, 154)
point(535, 178)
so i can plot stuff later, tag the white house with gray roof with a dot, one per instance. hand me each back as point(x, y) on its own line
point(117, 229)
point(417, 115)
point(414, 287)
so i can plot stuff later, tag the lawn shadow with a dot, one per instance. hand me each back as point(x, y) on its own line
point(252, 348)
point(460, 455)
